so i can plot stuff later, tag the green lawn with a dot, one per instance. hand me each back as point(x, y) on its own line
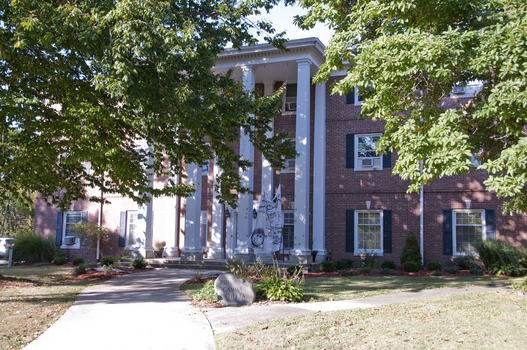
point(489, 320)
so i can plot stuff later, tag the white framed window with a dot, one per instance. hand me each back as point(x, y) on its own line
point(368, 232)
point(290, 99)
point(131, 227)
point(366, 157)
point(358, 98)
point(289, 163)
point(70, 219)
point(288, 230)
point(469, 227)
point(203, 227)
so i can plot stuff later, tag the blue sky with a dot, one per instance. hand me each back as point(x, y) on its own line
point(282, 19)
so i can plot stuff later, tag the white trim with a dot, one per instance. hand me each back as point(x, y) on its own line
point(77, 244)
point(356, 250)
point(127, 230)
point(377, 163)
point(203, 221)
point(356, 102)
point(454, 227)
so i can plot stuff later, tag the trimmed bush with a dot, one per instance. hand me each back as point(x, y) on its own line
point(411, 250)
point(139, 264)
point(327, 266)
point(433, 266)
point(79, 270)
point(107, 260)
point(77, 261)
point(60, 259)
point(388, 265)
point(410, 266)
point(387, 271)
point(436, 273)
point(346, 273)
point(344, 264)
point(452, 269)
point(31, 248)
point(477, 271)
point(365, 270)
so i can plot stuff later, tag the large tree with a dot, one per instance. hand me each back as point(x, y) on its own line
point(405, 56)
point(126, 87)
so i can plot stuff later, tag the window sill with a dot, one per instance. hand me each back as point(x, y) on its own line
point(368, 169)
point(73, 246)
point(363, 252)
point(289, 113)
point(288, 171)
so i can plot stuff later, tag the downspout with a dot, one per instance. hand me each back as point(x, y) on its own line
point(421, 220)
point(99, 223)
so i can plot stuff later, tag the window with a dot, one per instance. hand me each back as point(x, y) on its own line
point(369, 231)
point(366, 157)
point(289, 163)
point(288, 231)
point(290, 98)
point(131, 227)
point(469, 227)
point(354, 98)
point(65, 223)
point(205, 169)
point(203, 225)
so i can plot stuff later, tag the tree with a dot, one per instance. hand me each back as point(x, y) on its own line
point(104, 94)
point(92, 234)
point(407, 55)
point(411, 250)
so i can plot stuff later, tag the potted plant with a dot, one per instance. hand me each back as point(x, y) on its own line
point(159, 246)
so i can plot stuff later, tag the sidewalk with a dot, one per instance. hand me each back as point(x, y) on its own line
point(149, 311)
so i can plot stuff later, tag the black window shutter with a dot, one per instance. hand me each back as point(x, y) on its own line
point(350, 151)
point(387, 231)
point(350, 231)
point(447, 231)
point(84, 218)
point(58, 230)
point(122, 229)
point(490, 218)
point(387, 159)
point(350, 97)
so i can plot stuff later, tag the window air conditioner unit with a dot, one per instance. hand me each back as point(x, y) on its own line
point(69, 240)
point(289, 164)
point(290, 106)
point(367, 162)
point(458, 90)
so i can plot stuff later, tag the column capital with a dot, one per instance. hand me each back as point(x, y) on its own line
point(247, 67)
point(304, 61)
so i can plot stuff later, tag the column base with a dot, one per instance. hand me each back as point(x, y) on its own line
point(321, 256)
point(192, 255)
point(142, 253)
point(247, 257)
point(220, 254)
point(266, 257)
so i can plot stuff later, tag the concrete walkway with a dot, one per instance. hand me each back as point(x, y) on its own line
point(149, 311)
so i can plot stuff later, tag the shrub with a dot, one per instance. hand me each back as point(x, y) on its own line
point(433, 266)
point(387, 271)
point(388, 265)
point(79, 270)
point(344, 264)
point(293, 270)
point(32, 248)
point(107, 269)
point(346, 273)
point(207, 292)
point(60, 259)
point(436, 273)
point(365, 270)
point(410, 266)
point(491, 252)
point(327, 266)
point(368, 260)
point(411, 250)
point(279, 288)
point(139, 264)
point(77, 261)
point(465, 262)
point(506, 269)
point(452, 269)
point(90, 265)
point(238, 268)
point(476, 270)
point(263, 270)
point(107, 260)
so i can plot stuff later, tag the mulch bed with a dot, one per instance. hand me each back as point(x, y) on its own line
point(398, 272)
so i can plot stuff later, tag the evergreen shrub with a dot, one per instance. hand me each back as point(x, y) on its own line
point(411, 250)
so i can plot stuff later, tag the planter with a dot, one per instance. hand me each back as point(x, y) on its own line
point(158, 253)
point(314, 254)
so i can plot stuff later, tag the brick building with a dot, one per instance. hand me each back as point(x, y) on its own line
point(337, 196)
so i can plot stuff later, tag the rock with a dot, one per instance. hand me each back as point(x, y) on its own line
point(234, 290)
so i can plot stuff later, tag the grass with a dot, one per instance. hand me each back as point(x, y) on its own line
point(33, 303)
point(489, 320)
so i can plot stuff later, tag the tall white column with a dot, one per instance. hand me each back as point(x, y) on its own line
point(192, 250)
point(319, 173)
point(245, 202)
point(216, 247)
point(170, 249)
point(144, 225)
point(301, 252)
point(267, 171)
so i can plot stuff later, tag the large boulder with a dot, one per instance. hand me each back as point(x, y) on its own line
point(234, 290)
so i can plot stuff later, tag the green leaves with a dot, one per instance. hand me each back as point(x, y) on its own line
point(412, 53)
point(88, 82)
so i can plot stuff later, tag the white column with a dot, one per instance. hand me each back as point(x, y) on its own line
point(192, 249)
point(216, 247)
point(170, 249)
point(301, 252)
point(319, 173)
point(267, 171)
point(144, 225)
point(245, 202)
